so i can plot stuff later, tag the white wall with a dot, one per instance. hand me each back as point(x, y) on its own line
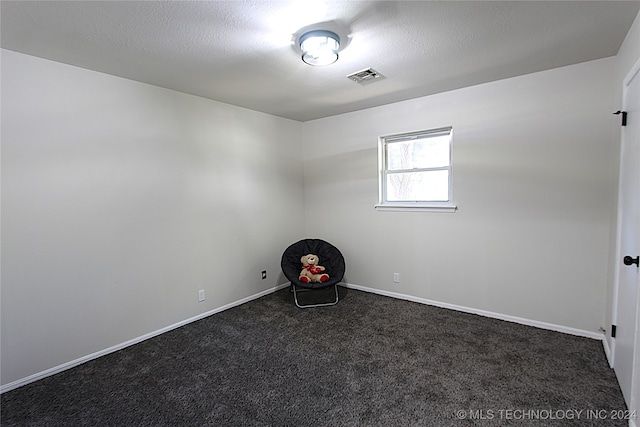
point(534, 186)
point(121, 200)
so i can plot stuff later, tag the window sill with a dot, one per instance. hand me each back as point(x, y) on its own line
point(416, 208)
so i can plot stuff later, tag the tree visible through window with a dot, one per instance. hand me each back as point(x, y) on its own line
point(415, 168)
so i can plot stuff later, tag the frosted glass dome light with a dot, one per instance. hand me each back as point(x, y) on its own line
point(319, 47)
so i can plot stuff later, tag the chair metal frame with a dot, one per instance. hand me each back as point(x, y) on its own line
point(325, 304)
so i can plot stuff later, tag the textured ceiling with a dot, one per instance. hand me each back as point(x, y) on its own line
point(241, 52)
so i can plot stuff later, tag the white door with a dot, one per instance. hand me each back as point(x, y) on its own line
point(629, 236)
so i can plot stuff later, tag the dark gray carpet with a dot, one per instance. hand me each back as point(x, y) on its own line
point(368, 361)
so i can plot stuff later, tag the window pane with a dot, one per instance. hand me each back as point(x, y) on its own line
point(430, 186)
point(426, 152)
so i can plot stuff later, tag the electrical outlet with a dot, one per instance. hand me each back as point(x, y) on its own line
point(264, 274)
point(201, 295)
point(396, 277)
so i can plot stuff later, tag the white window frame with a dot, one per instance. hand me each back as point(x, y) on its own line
point(429, 206)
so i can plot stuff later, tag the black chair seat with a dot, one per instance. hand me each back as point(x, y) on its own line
point(330, 258)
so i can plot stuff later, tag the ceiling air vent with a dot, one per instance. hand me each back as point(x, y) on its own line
point(364, 76)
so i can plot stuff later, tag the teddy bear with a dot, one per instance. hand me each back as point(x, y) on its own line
point(311, 271)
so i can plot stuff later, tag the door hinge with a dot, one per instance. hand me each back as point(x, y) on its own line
point(624, 117)
point(613, 331)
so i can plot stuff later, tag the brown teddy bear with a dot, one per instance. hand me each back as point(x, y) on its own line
point(311, 271)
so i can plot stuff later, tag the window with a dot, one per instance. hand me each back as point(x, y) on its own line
point(415, 171)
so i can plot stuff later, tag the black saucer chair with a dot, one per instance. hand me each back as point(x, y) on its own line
point(330, 258)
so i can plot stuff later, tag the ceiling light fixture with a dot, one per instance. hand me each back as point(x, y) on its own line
point(319, 47)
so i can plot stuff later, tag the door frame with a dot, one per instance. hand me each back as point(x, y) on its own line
point(634, 72)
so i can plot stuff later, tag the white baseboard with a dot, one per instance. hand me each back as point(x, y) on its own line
point(543, 325)
point(57, 369)
point(607, 351)
point(514, 319)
